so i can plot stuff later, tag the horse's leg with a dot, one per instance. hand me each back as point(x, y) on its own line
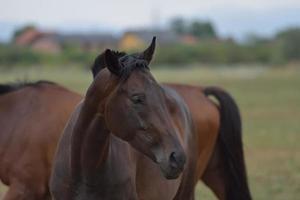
point(213, 175)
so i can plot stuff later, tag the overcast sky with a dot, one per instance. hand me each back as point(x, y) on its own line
point(231, 17)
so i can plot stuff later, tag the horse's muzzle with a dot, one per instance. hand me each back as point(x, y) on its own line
point(175, 165)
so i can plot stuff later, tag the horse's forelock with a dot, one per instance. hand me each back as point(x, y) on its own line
point(131, 63)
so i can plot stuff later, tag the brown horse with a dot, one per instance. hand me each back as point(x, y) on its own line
point(131, 138)
point(32, 117)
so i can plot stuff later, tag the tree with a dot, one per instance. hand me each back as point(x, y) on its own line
point(22, 30)
point(290, 43)
point(178, 25)
point(202, 29)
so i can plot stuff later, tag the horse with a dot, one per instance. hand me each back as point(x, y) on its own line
point(32, 117)
point(133, 138)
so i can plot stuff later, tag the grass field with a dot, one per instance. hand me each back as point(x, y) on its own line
point(269, 99)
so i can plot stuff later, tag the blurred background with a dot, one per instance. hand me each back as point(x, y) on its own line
point(250, 47)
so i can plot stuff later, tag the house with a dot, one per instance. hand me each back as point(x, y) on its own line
point(39, 41)
point(189, 39)
point(89, 42)
point(49, 42)
point(138, 39)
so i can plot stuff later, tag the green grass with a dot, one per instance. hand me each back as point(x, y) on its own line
point(269, 99)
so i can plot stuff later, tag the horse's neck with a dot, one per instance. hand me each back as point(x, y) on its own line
point(89, 143)
point(99, 159)
point(97, 153)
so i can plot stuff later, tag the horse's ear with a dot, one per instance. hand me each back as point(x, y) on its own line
point(148, 53)
point(112, 62)
point(98, 65)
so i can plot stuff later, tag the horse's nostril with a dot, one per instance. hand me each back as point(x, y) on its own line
point(173, 159)
point(177, 160)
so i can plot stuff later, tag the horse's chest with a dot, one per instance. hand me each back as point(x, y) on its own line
point(113, 182)
point(108, 191)
point(150, 183)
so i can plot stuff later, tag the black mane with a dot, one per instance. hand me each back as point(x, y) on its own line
point(100, 64)
point(10, 87)
point(129, 63)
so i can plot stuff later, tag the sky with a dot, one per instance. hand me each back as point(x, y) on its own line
point(235, 18)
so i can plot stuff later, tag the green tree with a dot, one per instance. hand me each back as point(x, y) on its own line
point(21, 30)
point(178, 25)
point(290, 43)
point(202, 29)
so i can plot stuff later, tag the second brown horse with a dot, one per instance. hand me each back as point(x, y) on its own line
point(131, 138)
point(32, 117)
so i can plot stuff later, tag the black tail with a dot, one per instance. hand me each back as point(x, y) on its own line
point(231, 146)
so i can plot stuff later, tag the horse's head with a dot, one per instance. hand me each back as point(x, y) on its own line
point(136, 111)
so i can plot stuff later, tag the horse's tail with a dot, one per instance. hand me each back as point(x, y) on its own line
point(231, 147)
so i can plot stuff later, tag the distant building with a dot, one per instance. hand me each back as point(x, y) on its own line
point(189, 39)
point(89, 42)
point(50, 42)
point(138, 39)
point(39, 41)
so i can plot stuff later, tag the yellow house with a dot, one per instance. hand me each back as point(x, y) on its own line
point(139, 39)
point(131, 41)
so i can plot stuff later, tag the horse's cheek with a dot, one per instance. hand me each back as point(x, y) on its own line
point(119, 118)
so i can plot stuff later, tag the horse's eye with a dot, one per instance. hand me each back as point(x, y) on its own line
point(138, 98)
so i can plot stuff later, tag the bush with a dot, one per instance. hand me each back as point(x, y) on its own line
point(10, 55)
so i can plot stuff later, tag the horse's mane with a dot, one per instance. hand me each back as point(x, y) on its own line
point(100, 64)
point(10, 87)
point(129, 63)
